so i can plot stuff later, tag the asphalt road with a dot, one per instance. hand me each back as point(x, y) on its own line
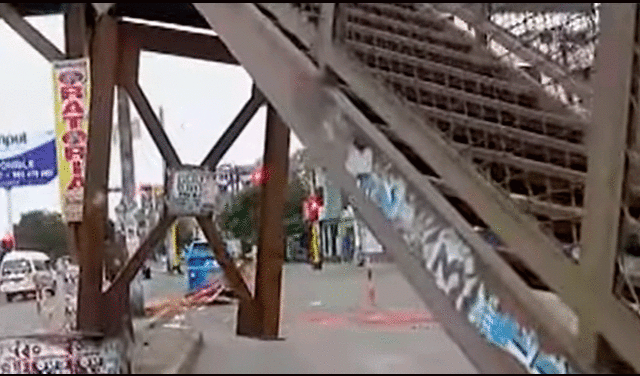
point(21, 317)
point(323, 331)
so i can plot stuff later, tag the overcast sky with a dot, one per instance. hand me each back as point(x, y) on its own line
point(199, 98)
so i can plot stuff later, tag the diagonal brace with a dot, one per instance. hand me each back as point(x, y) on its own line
point(30, 33)
point(235, 128)
point(153, 125)
point(231, 272)
point(126, 274)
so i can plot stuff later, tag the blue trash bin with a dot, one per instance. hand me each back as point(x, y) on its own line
point(202, 267)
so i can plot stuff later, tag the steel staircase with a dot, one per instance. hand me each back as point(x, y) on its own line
point(464, 168)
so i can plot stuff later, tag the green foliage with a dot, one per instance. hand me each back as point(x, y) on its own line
point(241, 218)
point(46, 230)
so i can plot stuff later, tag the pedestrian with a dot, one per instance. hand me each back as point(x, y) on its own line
point(347, 246)
point(45, 303)
point(314, 249)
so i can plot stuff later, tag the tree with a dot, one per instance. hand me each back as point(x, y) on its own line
point(240, 218)
point(42, 230)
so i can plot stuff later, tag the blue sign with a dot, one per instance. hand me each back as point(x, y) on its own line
point(35, 166)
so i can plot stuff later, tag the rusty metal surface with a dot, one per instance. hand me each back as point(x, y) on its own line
point(614, 119)
point(231, 272)
point(153, 124)
point(29, 33)
point(271, 241)
point(618, 317)
point(177, 42)
point(329, 145)
point(91, 232)
point(541, 254)
point(129, 270)
point(531, 166)
point(234, 129)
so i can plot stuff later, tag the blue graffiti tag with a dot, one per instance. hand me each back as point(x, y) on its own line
point(389, 196)
point(503, 331)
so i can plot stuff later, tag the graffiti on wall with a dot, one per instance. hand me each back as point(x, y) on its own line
point(452, 263)
point(55, 355)
point(503, 331)
point(387, 192)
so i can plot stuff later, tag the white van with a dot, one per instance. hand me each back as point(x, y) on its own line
point(19, 271)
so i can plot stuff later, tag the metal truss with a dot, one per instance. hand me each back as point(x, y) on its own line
point(412, 43)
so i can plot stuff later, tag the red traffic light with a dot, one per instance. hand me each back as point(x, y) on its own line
point(7, 243)
point(312, 207)
point(260, 176)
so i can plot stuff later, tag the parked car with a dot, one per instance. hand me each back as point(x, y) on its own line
point(20, 270)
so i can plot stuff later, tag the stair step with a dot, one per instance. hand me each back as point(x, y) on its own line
point(485, 108)
point(422, 34)
point(454, 77)
point(495, 129)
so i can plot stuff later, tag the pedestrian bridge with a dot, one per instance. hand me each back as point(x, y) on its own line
point(460, 133)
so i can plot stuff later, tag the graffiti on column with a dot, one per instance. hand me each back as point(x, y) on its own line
point(70, 277)
point(451, 262)
point(53, 354)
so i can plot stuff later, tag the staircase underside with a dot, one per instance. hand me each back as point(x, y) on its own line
point(479, 158)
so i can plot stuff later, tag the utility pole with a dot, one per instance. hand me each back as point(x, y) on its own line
point(169, 242)
point(128, 195)
point(9, 211)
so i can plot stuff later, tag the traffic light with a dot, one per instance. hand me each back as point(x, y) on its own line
point(7, 243)
point(312, 207)
point(260, 176)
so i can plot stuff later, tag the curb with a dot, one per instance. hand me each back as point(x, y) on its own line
point(192, 339)
point(185, 364)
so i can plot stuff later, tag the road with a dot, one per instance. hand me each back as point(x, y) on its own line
point(20, 317)
point(323, 331)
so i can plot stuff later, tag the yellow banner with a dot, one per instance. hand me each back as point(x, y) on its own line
point(71, 82)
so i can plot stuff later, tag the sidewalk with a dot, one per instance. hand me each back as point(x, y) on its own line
point(329, 326)
point(164, 347)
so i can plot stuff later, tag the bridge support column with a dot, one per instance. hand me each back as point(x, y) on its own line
point(606, 145)
point(91, 231)
point(265, 308)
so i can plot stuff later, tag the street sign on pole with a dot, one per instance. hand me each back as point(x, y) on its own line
point(191, 191)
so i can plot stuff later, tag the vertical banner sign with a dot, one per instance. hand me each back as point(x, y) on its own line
point(71, 95)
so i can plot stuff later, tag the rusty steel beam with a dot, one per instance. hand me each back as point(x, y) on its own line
point(129, 270)
point(606, 142)
point(178, 42)
point(541, 7)
point(29, 33)
point(324, 37)
point(483, 25)
point(236, 127)
point(153, 124)
point(284, 74)
point(91, 231)
point(75, 31)
point(129, 64)
point(231, 272)
point(271, 241)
